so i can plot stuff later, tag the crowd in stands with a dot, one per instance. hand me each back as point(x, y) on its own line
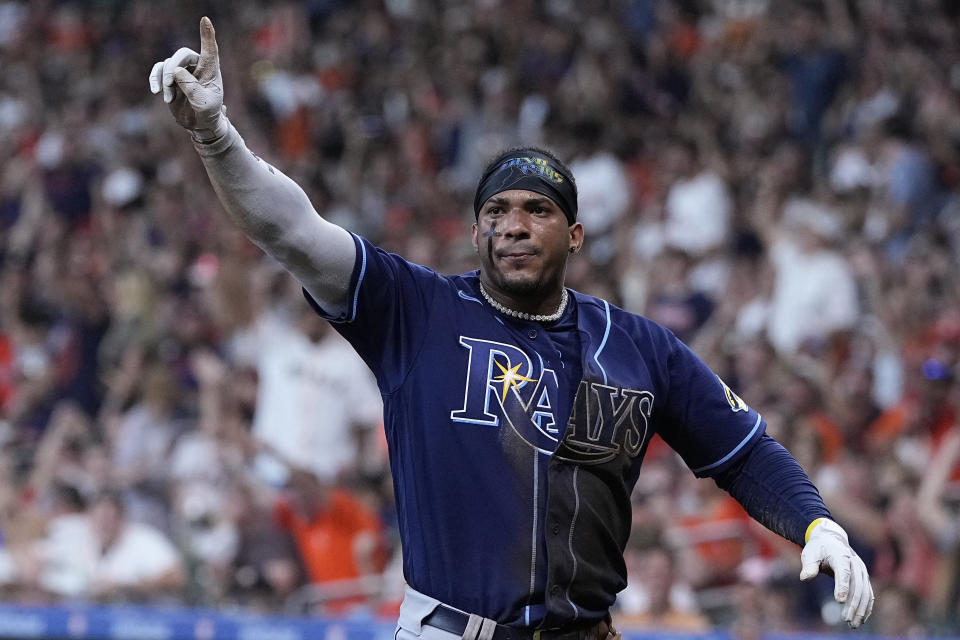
point(776, 182)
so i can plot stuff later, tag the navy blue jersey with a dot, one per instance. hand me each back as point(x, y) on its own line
point(514, 447)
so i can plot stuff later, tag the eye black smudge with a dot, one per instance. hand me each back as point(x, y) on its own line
point(490, 235)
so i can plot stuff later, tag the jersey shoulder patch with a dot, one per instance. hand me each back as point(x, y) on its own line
point(736, 402)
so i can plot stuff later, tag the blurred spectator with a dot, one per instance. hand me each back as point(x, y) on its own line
point(814, 61)
point(266, 568)
point(814, 294)
point(768, 597)
point(814, 436)
point(657, 600)
point(713, 531)
point(141, 442)
point(912, 195)
point(698, 204)
point(673, 301)
point(100, 554)
point(603, 193)
point(202, 468)
point(915, 426)
point(70, 456)
point(898, 614)
point(909, 556)
point(937, 509)
point(338, 537)
point(315, 395)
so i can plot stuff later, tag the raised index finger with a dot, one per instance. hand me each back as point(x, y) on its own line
point(208, 47)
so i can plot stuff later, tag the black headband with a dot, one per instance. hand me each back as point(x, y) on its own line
point(533, 172)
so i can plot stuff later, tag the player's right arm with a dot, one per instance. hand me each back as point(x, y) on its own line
point(268, 206)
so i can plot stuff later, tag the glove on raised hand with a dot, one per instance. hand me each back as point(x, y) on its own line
point(193, 88)
point(828, 547)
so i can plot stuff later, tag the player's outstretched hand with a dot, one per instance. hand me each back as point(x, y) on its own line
point(192, 86)
point(829, 547)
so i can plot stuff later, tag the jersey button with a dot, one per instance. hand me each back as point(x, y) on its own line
point(532, 333)
point(556, 528)
point(555, 590)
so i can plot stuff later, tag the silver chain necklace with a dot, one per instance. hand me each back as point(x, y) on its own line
point(553, 317)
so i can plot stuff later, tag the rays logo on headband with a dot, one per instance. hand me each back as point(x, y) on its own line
point(535, 167)
point(533, 170)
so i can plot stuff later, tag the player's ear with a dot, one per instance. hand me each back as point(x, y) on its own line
point(576, 237)
point(476, 240)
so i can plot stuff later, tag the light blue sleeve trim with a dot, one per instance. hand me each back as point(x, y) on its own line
point(735, 449)
point(363, 271)
point(603, 343)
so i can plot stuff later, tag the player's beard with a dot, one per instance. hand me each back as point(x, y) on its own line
point(518, 287)
point(518, 284)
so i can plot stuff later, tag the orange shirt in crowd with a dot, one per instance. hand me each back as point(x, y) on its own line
point(733, 543)
point(829, 433)
point(326, 541)
point(892, 423)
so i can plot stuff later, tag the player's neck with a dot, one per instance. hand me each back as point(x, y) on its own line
point(546, 305)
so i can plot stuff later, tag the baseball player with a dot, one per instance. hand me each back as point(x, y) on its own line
point(517, 411)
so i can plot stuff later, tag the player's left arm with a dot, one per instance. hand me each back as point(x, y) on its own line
point(720, 436)
point(776, 491)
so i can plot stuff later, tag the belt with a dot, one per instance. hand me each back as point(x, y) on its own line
point(453, 621)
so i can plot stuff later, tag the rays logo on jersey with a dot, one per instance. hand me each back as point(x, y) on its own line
point(504, 384)
point(605, 421)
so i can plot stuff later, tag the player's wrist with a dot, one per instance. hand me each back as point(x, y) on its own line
point(825, 526)
point(216, 146)
point(209, 134)
point(810, 527)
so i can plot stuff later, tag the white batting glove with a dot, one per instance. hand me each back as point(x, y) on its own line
point(828, 547)
point(193, 88)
